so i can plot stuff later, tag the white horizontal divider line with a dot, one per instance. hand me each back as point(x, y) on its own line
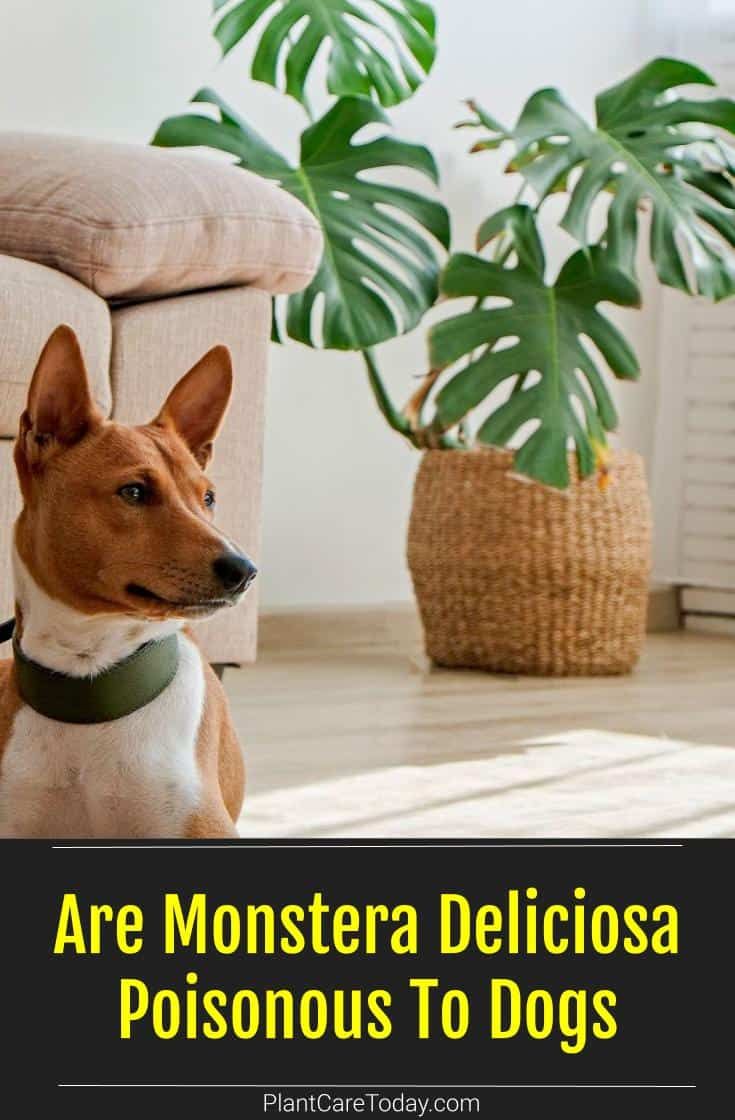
point(453, 1088)
point(229, 845)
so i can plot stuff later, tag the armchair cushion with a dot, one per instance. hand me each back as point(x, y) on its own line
point(132, 222)
point(33, 301)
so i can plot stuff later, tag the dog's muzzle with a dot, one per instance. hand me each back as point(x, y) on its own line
point(234, 571)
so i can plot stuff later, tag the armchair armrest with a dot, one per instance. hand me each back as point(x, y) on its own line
point(134, 222)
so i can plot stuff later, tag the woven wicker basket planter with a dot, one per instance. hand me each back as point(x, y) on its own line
point(514, 577)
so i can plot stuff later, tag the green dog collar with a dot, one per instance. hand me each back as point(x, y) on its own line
point(118, 691)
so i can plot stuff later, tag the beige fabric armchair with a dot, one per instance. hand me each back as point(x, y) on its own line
point(152, 257)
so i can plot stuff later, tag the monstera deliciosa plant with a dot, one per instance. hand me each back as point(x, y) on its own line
point(506, 578)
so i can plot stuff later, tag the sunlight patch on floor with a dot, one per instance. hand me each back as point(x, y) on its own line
point(575, 784)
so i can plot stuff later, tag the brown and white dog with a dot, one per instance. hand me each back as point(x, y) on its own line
point(115, 548)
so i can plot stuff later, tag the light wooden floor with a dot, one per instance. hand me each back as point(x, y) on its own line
point(335, 695)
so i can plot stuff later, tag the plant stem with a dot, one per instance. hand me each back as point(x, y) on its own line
point(395, 419)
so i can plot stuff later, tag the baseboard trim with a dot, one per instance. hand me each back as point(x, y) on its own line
point(664, 609)
point(319, 628)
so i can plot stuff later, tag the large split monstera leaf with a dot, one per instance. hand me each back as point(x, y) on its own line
point(649, 144)
point(379, 271)
point(380, 48)
point(550, 366)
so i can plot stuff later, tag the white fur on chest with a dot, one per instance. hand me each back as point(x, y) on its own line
point(136, 776)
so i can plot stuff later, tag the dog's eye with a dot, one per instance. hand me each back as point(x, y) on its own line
point(209, 499)
point(134, 493)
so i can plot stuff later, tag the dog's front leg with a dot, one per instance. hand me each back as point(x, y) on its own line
point(211, 822)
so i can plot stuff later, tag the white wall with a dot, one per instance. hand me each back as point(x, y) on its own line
point(338, 482)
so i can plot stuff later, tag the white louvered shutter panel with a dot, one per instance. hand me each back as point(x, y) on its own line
point(694, 460)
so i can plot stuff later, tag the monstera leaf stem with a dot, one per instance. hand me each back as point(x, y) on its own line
point(396, 419)
point(414, 407)
point(402, 421)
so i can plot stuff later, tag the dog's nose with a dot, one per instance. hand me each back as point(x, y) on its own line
point(234, 571)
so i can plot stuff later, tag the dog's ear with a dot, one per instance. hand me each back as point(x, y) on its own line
point(60, 408)
point(196, 405)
